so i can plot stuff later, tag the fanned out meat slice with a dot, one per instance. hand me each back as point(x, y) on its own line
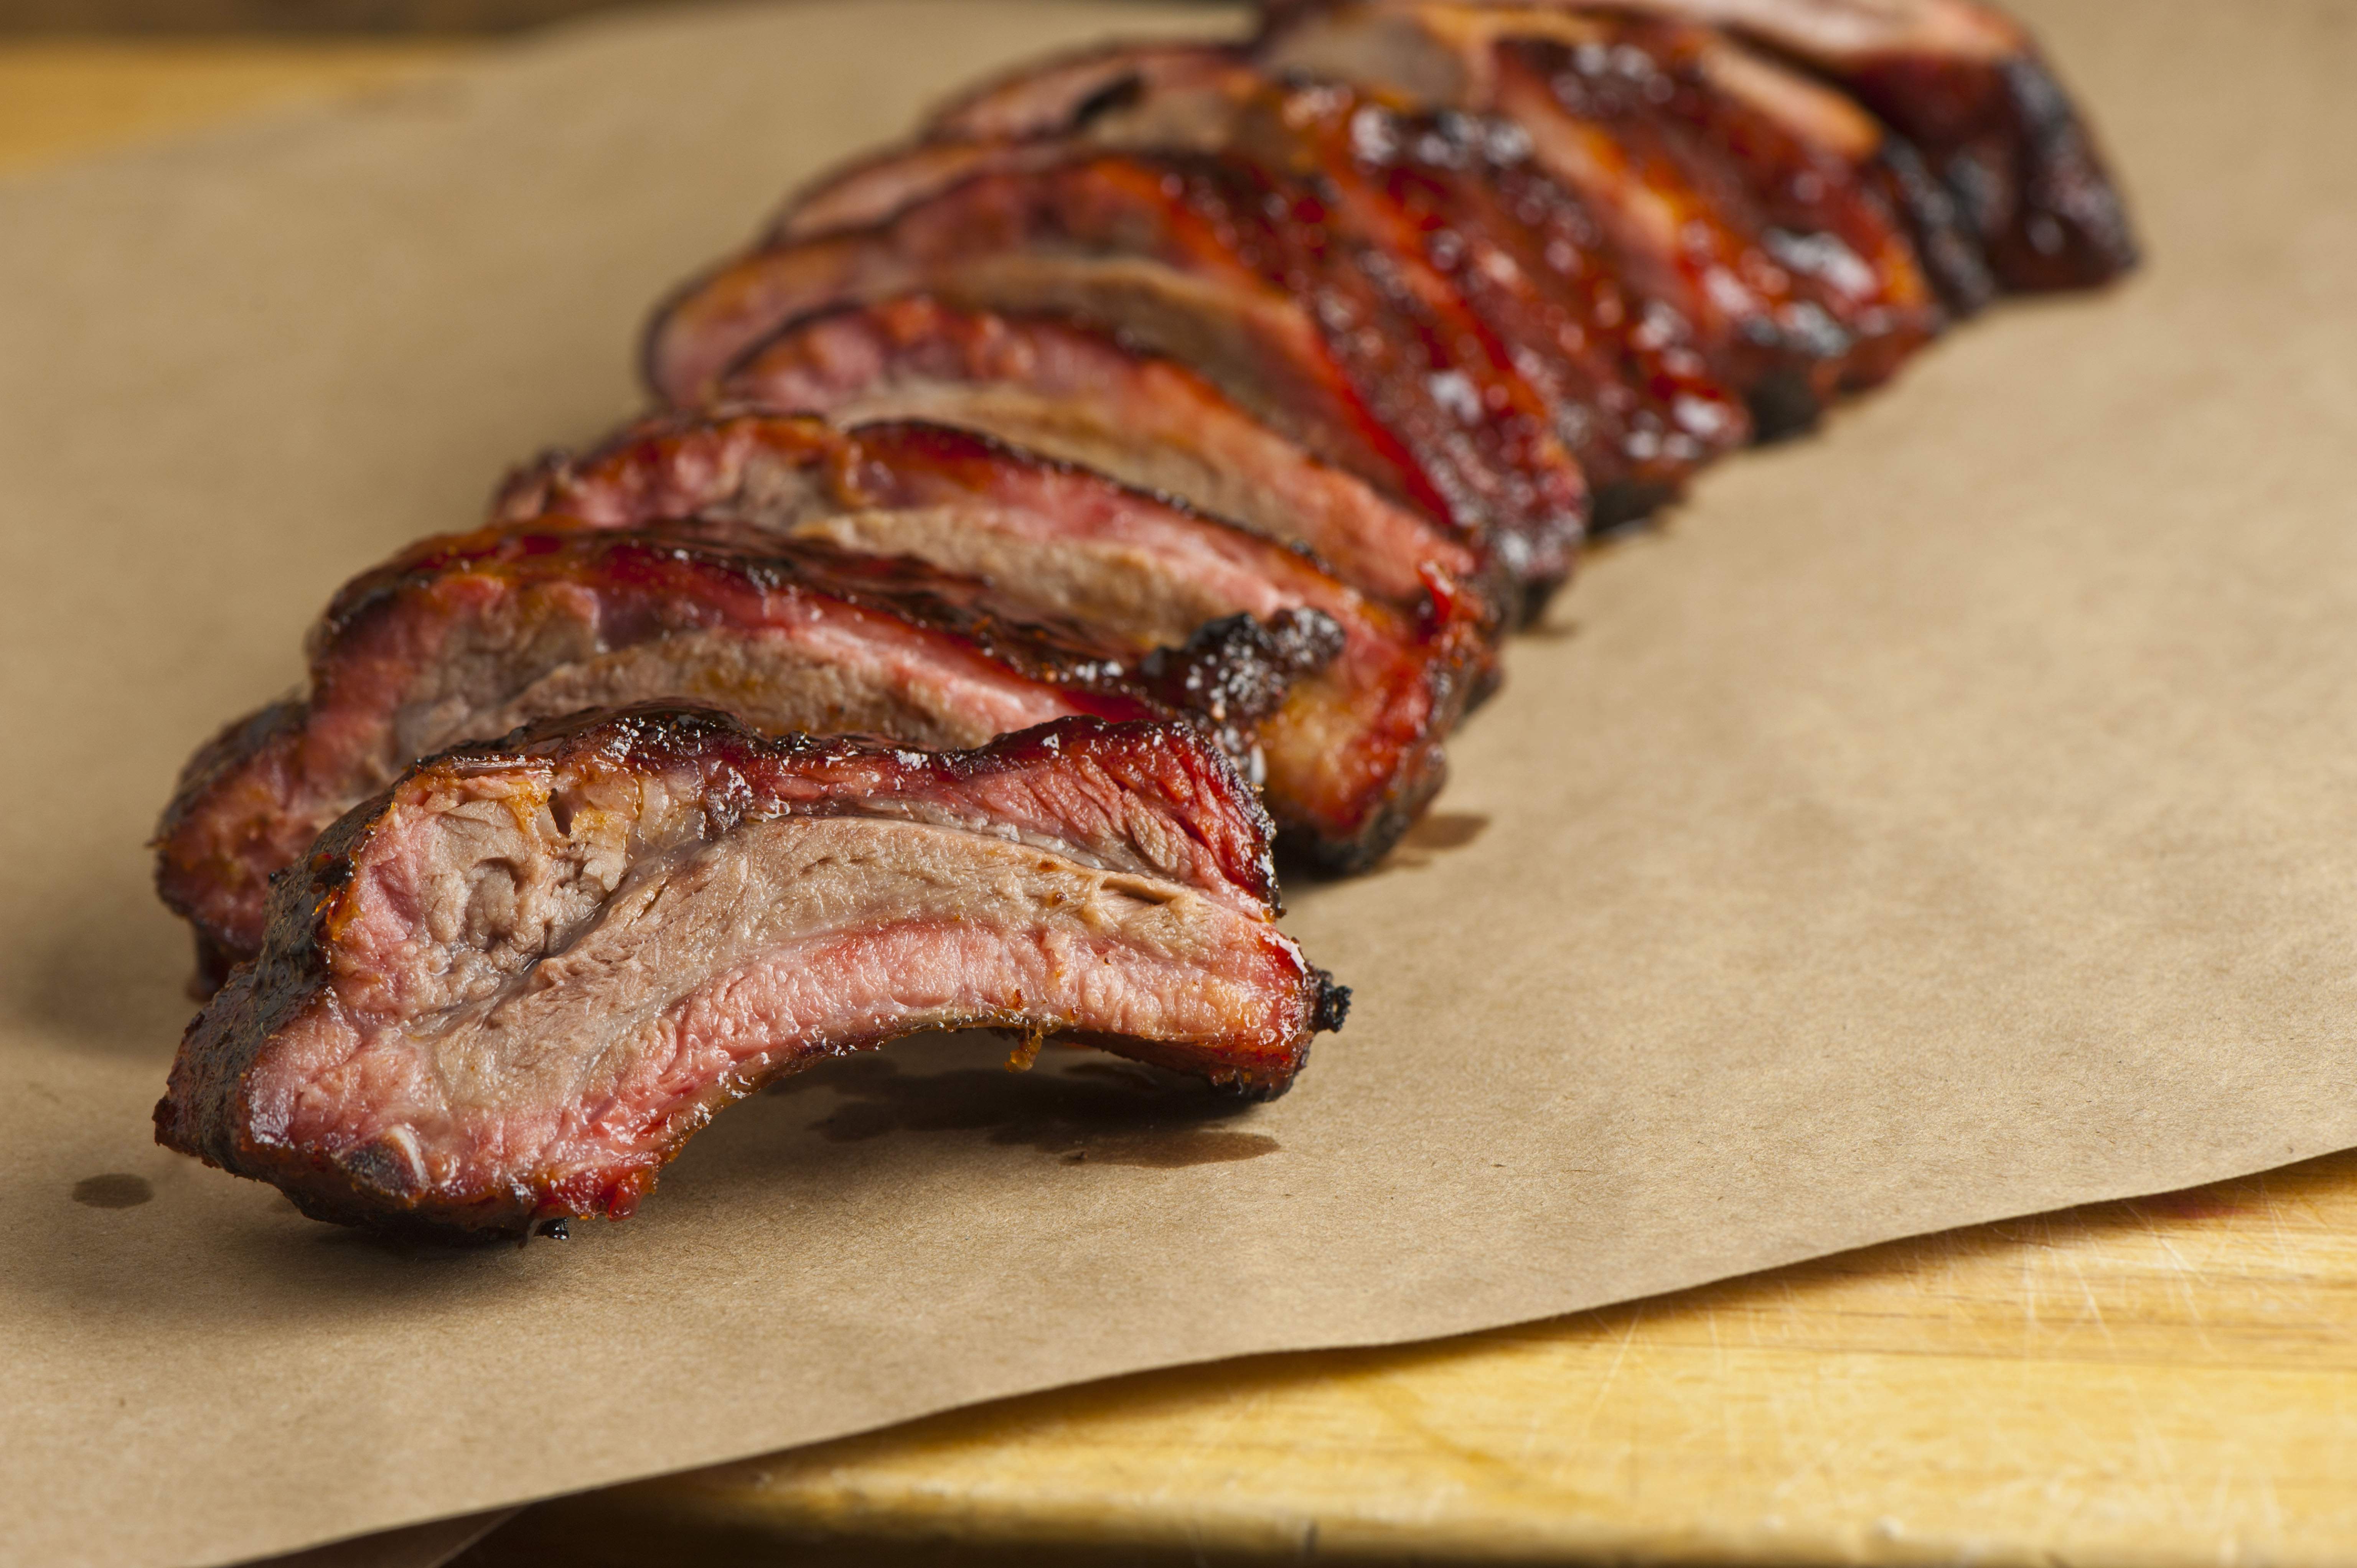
point(1063, 93)
point(471, 636)
point(1085, 397)
point(1350, 753)
point(508, 988)
point(1738, 193)
point(1630, 400)
point(1966, 85)
point(1386, 43)
point(1626, 398)
point(1156, 92)
point(1247, 280)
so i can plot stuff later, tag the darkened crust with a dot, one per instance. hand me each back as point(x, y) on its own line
point(1408, 401)
point(832, 360)
point(224, 832)
point(1343, 816)
point(1158, 768)
point(2012, 149)
point(2013, 168)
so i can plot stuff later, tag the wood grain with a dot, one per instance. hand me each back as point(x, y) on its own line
point(2167, 1381)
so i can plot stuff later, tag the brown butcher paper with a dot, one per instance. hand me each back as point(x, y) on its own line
point(1946, 816)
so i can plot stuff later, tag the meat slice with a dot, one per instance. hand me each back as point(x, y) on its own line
point(508, 987)
point(1160, 94)
point(1246, 279)
point(1627, 399)
point(1083, 396)
point(1628, 396)
point(1063, 94)
point(466, 637)
point(1964, 85)
point(1350, 755)
point(1733, 191)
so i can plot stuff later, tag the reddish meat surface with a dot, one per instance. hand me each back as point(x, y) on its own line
point(1737, 195)
point(1490, 251)
point(1964, 85)
point(1250, 281)
point(467, 637)
point(508, 988)
point(1085, 397)
point(1348, 756)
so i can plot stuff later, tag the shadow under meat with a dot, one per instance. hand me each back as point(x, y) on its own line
point(255, 1261)
point(1435, 836)
point(1096, 1110)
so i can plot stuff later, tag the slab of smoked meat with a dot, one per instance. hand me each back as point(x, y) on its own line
point(1630, 398)
point(509, 987)
point(1727, 187)
point(1246, 280)
point(1634, 405)
point(1392, 43)
point(469, 637)
point(1964, 85)
point(1348, 756)
point(1085, 397)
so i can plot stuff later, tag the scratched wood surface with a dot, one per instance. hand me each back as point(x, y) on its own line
point(2167, 1381)
point(2160, 1382)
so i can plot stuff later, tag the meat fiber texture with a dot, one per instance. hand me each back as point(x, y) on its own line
point(1964, 87)
point(1451, 198)
point(782, 589)
point(1252, 279)
point(508, 988)
point(1348, 752)
point(1067, 392)
point(471, 636)
point(1733, 197)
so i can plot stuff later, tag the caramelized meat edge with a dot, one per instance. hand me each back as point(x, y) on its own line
point(1350, 752)
point(1248, 279)
point(1085, 397)
point(509, 987)
point(468, 637)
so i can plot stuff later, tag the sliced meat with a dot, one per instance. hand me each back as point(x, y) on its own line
point(1964, 85)
point(872, 189)
point(1350, 754)
point(1205, 259)
point(508, 988)
point(1429, 56)
point(471, 636)
point(1636, 405)
point(1796, 276)
point(1154, 91)
point(1085, 397)
point(1065, 92)
point(1630, 403)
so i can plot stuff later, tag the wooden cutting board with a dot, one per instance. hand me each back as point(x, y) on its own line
point(2169, 1380)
